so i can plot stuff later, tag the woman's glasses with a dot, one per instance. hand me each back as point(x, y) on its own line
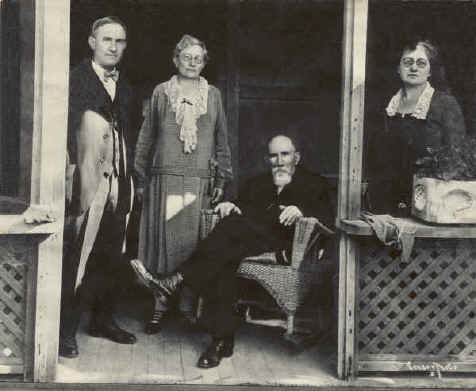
point(188, 58)
point(408, 62)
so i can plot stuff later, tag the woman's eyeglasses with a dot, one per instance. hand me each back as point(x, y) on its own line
point(188, 58)
point(408, 62)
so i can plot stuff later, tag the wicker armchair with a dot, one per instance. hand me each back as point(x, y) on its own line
point(290, 284)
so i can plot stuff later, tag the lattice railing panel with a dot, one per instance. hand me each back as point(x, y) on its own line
point(14, 260)
point(426, 306)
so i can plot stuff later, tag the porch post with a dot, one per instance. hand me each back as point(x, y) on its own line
point(352, 117)
point(48, 175)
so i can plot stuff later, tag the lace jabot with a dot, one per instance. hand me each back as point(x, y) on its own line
point(187, 110)
point(421, 108)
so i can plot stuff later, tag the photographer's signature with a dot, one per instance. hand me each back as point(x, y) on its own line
point(434, 368)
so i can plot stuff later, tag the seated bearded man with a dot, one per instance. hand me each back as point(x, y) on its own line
point(261, 220)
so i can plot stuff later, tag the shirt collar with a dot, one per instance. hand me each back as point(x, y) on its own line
point(99, 70)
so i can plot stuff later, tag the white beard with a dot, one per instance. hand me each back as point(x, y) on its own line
point(281, 178)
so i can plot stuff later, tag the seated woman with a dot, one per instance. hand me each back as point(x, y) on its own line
point(418, 118)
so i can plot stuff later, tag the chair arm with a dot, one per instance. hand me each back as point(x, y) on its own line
point(306, 234)
point(208, 220)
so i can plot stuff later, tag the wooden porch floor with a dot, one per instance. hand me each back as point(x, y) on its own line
point(261, 356)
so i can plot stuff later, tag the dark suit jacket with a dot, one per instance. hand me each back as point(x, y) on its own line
point(310, 192)
point(86, 92)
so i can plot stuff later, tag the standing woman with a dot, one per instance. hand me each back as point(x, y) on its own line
point(421, 115)
point(182, 162)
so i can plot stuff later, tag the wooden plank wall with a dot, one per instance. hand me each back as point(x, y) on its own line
point(233, 88)
point(290, 81)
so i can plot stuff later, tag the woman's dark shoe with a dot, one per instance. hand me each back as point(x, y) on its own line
point(68, 347)
point(219, 348)
point(154, 325)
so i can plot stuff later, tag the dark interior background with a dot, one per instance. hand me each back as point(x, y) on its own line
point(10, 108)
point(289, 65)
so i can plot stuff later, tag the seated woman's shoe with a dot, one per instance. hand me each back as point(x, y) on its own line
point(154, 325)
point(219, 348)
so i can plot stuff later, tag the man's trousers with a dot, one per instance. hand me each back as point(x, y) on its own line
point(92, 263)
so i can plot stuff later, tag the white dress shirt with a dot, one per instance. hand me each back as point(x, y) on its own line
point(109, 83)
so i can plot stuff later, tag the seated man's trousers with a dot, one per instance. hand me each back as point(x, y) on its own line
point(211, 270)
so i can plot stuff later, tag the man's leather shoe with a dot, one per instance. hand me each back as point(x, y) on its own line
point(162, 288)
point(154, 325)
point(166, 286)
point(111, 331)
point(68, 347)
point(144, 276)
point(219, 348)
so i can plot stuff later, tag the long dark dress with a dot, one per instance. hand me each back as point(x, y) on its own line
point(392, 153)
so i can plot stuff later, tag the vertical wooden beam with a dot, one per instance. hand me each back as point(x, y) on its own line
point(233, 89)
point(352, 117)
point(48, 173)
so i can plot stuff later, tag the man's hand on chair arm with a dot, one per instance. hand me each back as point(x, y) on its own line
point(225, 208)
point(289, 214)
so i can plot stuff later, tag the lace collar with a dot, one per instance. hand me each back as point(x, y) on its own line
point(200, 99)
point(421, 108)
point(187, 110)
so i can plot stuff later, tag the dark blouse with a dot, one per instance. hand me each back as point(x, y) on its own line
point(405, 139)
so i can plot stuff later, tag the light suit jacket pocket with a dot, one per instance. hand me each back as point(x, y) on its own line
point(95, 155)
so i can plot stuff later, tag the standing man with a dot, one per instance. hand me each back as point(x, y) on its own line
point(262, 219)
point(99, 187)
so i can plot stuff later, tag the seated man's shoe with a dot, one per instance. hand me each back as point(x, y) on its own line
point(68, 347)
point(111, 331)
point(219, 348)
point(143, 275)
point(162, 288)
point(166, 286)
point(154, 325)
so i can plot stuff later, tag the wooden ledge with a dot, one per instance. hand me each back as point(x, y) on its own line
point(423, 230)
point(15, 225)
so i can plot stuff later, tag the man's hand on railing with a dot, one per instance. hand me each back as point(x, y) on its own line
point(225, 208)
